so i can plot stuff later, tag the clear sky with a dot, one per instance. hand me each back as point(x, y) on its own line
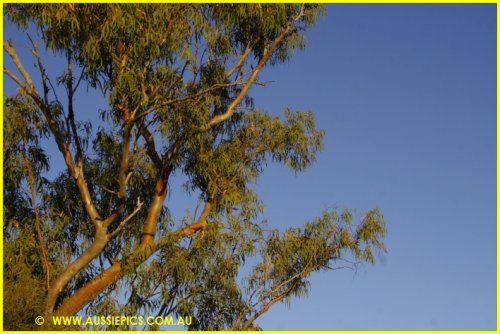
point(407, 96)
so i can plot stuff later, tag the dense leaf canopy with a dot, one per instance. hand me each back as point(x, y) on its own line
point(98, 238)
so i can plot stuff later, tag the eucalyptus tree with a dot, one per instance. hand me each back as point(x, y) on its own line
point(97, 238)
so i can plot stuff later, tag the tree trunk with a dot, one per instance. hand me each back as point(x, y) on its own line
point(111, 275)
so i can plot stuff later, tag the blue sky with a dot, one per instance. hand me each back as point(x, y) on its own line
point(407, 96)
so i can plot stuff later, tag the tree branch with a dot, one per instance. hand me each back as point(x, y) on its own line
point(306, 271)
point(266, 307)
point(38, 229)
point(188, 97)
point(79, 80)
point(123, 222)
point(267, 54)
point(73, 268)
point(241, 60)
point(16, 80)
point(150, 146)
point(9, 48)
point(71, 113)
point(145, 249)
point(42, 71)
point(200, 224)
point(74, 170)
point(124, 173)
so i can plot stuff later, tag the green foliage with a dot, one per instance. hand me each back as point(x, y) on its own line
point(176, 79)
point(23, 281)
point(289, 258)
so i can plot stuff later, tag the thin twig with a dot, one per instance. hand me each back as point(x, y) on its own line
point(267, 54)
point(32, 186)
point(120, 226)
